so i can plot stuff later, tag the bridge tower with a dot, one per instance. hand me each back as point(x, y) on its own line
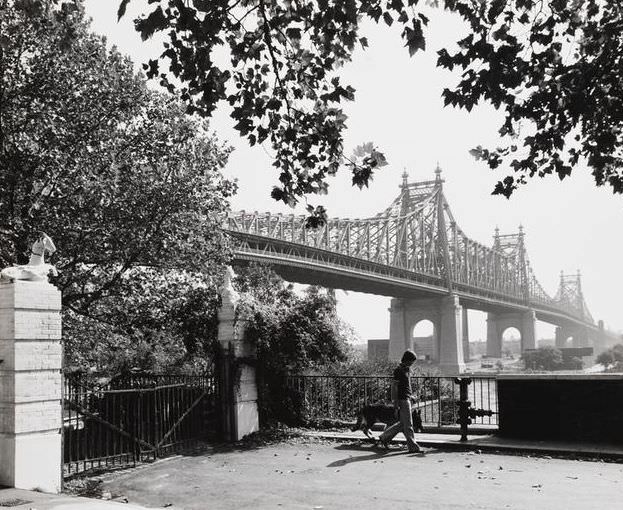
point(513, 246)
point(445, 312)
point(570, 294)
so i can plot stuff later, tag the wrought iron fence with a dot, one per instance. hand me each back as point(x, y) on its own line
point(339, 398)
point(134, 418)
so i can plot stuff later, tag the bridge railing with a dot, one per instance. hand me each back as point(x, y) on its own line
point(338, 399)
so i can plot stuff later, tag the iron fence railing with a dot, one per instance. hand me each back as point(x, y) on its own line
point(340, 397)
point(134, 418)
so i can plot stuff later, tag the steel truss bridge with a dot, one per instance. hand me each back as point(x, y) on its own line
point(413, 249)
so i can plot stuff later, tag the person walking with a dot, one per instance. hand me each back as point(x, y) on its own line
point(401, 396)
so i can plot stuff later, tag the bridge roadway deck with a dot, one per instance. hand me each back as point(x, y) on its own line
point(308, 265)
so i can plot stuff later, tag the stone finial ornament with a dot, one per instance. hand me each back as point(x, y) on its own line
point(36, 270)
point(228, 293)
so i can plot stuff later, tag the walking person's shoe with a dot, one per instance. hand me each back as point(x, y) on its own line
point(415, 449)
point(380, 443)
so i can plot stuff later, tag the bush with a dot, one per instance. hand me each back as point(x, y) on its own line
point(612, 359)
point(574, 363)
point(292, 333)
point(543, 358)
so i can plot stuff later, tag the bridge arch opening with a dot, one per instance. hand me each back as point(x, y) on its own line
point(511, 343)
point(424, 340)
point(568, 341)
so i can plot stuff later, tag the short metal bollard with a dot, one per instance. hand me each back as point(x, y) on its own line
point(466, 412)
point(464, 405)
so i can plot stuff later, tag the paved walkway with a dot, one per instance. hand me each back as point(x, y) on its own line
point(32, 500)
point(289, 475)
point(319, 474)
point(489, 442)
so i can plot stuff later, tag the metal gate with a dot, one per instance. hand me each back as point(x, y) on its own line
point(135, 418)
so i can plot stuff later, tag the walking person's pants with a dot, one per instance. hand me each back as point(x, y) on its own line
point(404, 425)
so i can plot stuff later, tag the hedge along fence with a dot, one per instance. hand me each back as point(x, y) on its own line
point(333, 400)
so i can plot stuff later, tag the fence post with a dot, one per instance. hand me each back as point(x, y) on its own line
point(30, 386)
point(464, 405)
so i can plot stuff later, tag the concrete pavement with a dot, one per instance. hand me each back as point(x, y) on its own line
point(285, 475)
point(319, 474)
point(492, 443)
point(33, 500)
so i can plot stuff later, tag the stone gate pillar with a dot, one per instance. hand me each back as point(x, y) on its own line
point(30, 386)
point(451, 360)
point(238, 375)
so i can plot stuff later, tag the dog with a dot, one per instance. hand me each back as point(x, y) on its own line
point(384, 413)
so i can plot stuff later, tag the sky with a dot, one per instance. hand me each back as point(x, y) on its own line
point(570, 225)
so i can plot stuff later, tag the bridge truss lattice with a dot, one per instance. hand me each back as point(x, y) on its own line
point(418, 238)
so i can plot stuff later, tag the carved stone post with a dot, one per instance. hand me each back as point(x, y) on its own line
point(238, 375)
point(30, 386)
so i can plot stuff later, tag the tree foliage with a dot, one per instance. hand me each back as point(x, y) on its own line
point(280, 76)
point(127, 185)
point(291, 332)
point(612, 359)
point(555, 68)
point(543, 358)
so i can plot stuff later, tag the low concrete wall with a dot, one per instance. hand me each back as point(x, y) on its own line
point(566, 407)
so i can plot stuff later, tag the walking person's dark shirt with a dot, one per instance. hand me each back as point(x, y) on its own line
point(401, 374)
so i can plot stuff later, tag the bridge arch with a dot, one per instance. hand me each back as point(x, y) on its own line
point(511, 342)
point(572, 336)
point(498, 323)
point(424, 339)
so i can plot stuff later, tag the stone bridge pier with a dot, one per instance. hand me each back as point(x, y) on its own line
point(446, 316)
point(572, 336)
point(497, 323)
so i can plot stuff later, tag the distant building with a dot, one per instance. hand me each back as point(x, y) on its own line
point(510, 347)
point(378, 349)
